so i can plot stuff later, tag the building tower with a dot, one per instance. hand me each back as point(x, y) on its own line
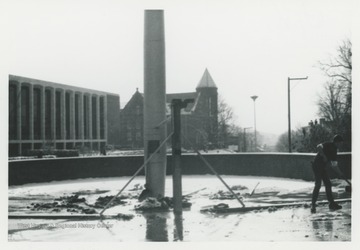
point(207, 110)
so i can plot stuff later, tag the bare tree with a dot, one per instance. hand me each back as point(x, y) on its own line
point(335, 103)
point(339, 71)
point(225, 112)
point(225, 118)
point(339, 67)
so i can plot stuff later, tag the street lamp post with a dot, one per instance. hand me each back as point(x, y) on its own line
point(289, 114)
point(245, 137)
point(254, 97)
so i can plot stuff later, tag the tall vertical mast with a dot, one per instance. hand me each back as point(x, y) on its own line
point(154, 100)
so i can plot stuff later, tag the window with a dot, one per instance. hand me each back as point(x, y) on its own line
point(128, 136)
point(138, 136)
point(210, 109)
point(138, 124)
point(138, 110)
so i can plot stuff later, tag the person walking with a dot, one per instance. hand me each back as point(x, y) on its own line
point(324, 159)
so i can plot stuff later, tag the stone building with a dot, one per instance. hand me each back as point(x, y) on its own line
point(199, 121)
point(132, 122)
point(60, 116)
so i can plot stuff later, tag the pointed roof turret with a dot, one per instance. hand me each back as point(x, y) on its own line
point(206, 81)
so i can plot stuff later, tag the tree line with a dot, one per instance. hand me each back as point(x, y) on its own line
point(334, 106)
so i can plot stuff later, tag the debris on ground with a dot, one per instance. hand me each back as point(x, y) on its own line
point(307, 205)
point(67, 205)
point(75, 204)
point(272, 209)
point(137, 187)
point(221, 206)
point(102, 201)
point(224, 195)
point(151, 203)
point(165, 203)
point(89, 211)
point(91, 192)
point(239, 187)
point(70, 199)
point(126, 217)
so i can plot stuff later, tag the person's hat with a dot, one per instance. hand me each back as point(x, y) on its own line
point(338, 138)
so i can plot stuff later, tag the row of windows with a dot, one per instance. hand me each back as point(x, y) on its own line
point(138, 136)
point(53, 105)
point(130, 124)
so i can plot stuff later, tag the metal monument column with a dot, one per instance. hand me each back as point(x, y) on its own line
point(154, 101)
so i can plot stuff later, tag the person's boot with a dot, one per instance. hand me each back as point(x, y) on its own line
point(313, 208)
point(334, 206)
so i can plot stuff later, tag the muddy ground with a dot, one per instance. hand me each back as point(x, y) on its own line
point(89, 196)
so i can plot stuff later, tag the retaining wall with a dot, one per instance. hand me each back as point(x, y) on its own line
point(287, 165)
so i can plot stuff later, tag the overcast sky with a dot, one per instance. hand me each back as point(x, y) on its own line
point(249, 48)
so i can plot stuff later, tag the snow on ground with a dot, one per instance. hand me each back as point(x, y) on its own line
point(285, 224)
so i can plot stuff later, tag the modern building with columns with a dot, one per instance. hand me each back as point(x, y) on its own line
point(62, 116)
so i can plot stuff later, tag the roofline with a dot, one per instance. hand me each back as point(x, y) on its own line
point(208, 76)
point(54, 84)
